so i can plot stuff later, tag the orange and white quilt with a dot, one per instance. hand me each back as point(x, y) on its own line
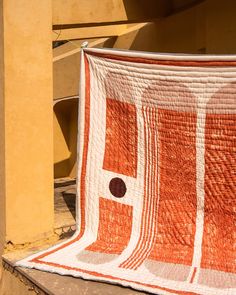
point(156, 205)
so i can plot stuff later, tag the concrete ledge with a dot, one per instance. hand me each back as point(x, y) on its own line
point(52, 284)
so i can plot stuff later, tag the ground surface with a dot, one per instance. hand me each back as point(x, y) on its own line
point(64, 202)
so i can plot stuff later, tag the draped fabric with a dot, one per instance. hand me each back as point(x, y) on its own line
point(156, 204)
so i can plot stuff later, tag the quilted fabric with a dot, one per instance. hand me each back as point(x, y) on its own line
point(156, 207)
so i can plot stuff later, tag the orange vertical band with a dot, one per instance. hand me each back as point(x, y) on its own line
point(121, 138)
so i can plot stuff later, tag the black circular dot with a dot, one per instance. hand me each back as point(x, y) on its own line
point(117, 187)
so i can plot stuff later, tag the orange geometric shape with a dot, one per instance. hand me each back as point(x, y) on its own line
point(114, 217)
point(121, 138)
point(219, 246)
point(177, 201)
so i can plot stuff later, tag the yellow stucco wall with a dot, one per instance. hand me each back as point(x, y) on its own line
point(28, 54)
point(32, 137)
point(27, 180)
point(27, 125)
point(2, 146)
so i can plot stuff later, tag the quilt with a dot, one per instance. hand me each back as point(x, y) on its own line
point(156, 189)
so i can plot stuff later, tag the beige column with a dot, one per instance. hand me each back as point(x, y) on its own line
point(26, 121)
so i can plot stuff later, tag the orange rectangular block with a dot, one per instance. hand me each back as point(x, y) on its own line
point(121, 138)
point(219, 248)
point(114, 217)
point(177, 203)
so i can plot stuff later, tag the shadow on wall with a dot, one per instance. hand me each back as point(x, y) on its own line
point(151, 9)
point(146, 38)
point(172, 36)
point(65, 137)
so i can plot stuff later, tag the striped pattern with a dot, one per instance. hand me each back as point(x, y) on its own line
point(156, 176)
point(148, 231)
